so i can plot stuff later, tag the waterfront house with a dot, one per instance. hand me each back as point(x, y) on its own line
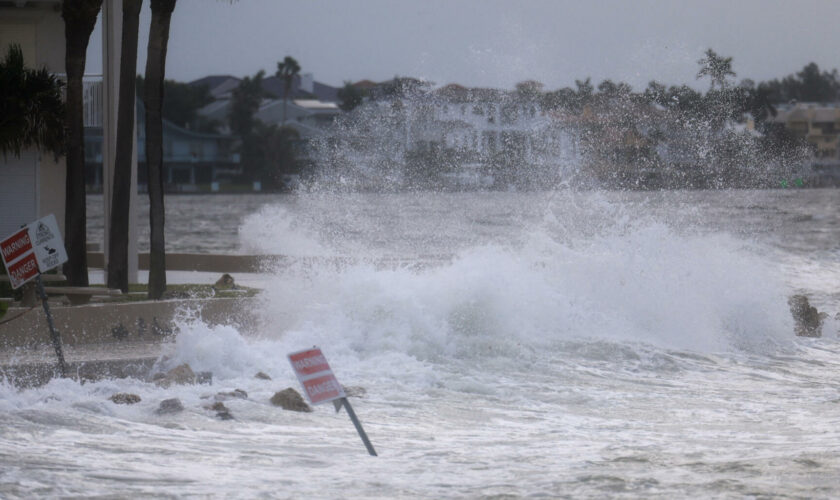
point(190, 159)
point(819, 125)
point(311, 108)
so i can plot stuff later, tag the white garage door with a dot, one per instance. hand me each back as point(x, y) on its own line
point(18, 191)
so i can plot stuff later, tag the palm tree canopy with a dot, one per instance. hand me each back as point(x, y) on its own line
point(716, 67)
point(287, 69)
point(31, 108)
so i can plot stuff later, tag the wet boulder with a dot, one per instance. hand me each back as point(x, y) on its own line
point(180, 375)
point(262, 376)
point(290, 399)
point(225, 283)
point(124, 398)
point(808, 320)
point(170, 406)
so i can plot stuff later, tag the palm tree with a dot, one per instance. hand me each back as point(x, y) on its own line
point(155, 73)
point(716, 67)
point(79, 20)
point(118, 232)
point(31, 109)
point(350, 96)
point(287, 70)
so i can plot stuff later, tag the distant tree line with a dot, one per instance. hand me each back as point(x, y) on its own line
point(181, 102)
point(659, 136)
point(268, 152)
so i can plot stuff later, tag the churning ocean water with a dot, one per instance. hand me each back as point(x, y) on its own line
point(549, 345)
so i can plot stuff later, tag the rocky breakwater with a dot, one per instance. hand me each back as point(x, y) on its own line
point(287, 399)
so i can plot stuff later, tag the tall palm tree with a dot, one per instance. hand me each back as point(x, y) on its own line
point(31, 107)
point(287, 70)
point(121, 197)
point(79, 20)
point(717, 68)
point(155, 73)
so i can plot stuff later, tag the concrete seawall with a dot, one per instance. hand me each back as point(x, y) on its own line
point(267, 263)
point(104, 340)
point(107, 322)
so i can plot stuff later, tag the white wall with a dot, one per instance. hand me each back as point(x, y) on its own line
point(32, 186)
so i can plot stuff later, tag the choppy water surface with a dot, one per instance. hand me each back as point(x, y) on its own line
point(581, 345)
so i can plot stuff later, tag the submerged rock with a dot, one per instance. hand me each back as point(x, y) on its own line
point(234, 394)
point(808, 320)
point(224, 415)
point(170, 406)
point(218, 406)
point(262, 376)
point(290, 399)
point(222, 411)
point(124, 398)
point(354, 391)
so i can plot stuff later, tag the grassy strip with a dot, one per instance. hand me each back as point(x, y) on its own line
point(138, 292)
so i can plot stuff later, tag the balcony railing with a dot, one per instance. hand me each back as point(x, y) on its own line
point(92, 93)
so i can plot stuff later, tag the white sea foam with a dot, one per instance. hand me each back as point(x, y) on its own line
point(274, 231)
point(605, 346)
point(646, 285)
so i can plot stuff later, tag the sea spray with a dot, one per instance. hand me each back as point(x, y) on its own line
point(646, 284)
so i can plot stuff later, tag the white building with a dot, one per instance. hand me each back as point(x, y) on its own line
point(33, 185)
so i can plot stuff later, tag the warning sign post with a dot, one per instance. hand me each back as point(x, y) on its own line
point(320, 386)
point(34, 249)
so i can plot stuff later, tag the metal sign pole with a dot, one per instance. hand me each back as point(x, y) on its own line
point(358, 427)
point(54, 335)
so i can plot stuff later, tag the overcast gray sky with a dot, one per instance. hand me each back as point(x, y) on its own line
point(496, 43)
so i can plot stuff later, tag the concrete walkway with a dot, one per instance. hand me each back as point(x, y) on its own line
point(30, 367)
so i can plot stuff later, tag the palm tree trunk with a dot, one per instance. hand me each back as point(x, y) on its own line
point(79, 20)
point(118, 232)
point(285, 103)
point(155, 72)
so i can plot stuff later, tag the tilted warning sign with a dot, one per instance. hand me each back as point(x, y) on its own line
point(15, 245)
point(33, 249)
point(23, 270)
point(49, 248)
point(320, 386)
point(316, 376)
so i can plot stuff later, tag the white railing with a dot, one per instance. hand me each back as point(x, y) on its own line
point(92, 92)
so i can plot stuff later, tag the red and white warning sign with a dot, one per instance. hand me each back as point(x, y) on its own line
point(16, 245)
point(33, 249)
point(316, 376)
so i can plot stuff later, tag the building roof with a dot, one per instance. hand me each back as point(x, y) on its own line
point(365, 84)
point(315, 104)
point(221, 86)
point(275, 86)
point(212, 81)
